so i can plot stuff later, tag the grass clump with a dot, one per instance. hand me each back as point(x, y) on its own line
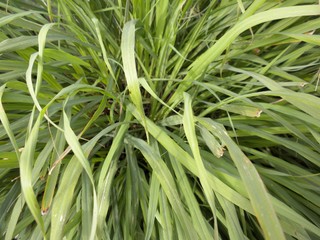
point(159, 119)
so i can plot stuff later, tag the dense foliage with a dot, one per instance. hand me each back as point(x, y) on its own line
point(159, 119)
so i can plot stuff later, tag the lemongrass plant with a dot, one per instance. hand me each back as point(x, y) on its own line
point(159, 119)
